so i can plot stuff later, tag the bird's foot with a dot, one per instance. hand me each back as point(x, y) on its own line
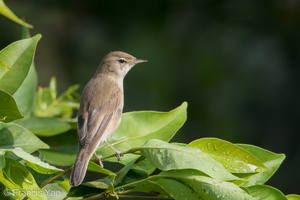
point(99, 159)
point(119, 153)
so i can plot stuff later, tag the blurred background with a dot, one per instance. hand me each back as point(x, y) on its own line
point(235, 62)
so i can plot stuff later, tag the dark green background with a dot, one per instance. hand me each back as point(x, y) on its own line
point(235, 62)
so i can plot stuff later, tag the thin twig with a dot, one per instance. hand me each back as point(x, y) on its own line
point(55, 177)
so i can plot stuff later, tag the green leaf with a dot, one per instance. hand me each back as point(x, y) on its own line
point(34, 162)
point(8, 108)
point(64, 148)
point(205, 187)
point(47, 104)
point(19, 182)
point(44, 126)
point(5, 11)
point(61, 155)
point(136, 128)
point(191, 183)
point(177, 190)
point(266, 192)
point(167, 156)
point(24, 96)
point(2, 158)
point(18, 56)
point(151, 187)
point(271, 160)
point(235, 159)
point(293, 197)
point(13, 135)
point(54, 191)
point(97, 168)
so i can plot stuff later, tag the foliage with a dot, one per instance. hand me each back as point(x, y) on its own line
point(37, 129)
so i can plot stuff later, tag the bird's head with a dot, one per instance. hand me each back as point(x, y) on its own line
point(118, 63)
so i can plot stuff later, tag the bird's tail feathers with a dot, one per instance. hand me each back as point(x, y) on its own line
point(80, 167)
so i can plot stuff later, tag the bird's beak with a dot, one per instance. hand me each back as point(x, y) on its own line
point(136, 61)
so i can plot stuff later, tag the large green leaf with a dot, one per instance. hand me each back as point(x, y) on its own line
point(60, 155)
point(5, 11)
point(34, 162)
point(55, 191)
point(63, 149)
point(13, 135)
point(205, 187)
point(271, 160)
point(19, 182)
point(18, 57)
point(136, 128)
point(235, 159)
point(44, 126)
point(266, 192)
point(293, 197)
point(190, 183)
point(8, 108)
point(24, 96)
point(177, 190)
point(167, 156)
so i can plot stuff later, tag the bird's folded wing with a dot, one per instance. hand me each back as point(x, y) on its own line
point(93, 124)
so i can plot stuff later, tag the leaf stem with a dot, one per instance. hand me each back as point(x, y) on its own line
point(55, 177)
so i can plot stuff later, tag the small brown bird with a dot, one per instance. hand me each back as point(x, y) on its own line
point(101, 109)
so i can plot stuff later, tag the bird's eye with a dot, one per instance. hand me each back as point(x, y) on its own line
point(121, 61)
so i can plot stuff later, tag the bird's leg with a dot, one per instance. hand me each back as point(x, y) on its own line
point(119, 153)
point(99, 159)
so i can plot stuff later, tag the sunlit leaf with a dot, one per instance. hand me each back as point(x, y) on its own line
point(271, 160)
point(136, 128)
point(266, 192)
point(18, 56)
point(47, 104)
point(34, 162)
point(167, 156)
point(19, 181)
point(235, 159)
point(5, 11)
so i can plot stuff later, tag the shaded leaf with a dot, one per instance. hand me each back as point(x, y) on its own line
point(177, 190)
point(61, 155)
point(64, 149)
point(18, 56)
point(235, 159)
point(13, 135)
point(150, 187)
point(205, 187)
point(8, 108)
point(24, 96)
point(43, 126)
point(97, 168)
